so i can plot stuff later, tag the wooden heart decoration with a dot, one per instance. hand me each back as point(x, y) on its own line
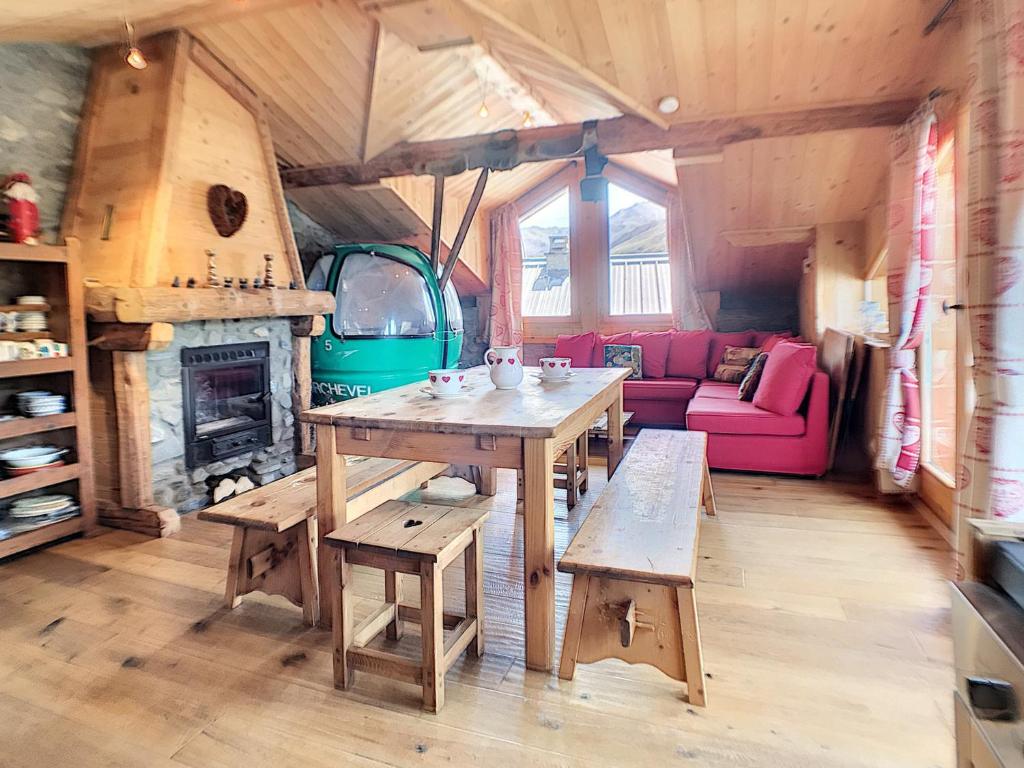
point(227, 208)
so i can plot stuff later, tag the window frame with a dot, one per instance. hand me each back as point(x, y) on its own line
point(589, 254)
point(659, 195)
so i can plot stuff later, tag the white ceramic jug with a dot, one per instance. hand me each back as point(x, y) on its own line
point(506, 368)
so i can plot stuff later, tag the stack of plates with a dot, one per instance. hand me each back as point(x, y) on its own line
point(41, 403)
point(32, 321)
point(49, 505)
point(30, 300)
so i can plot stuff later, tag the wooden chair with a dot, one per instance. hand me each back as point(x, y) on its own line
point(274, 545)
point(399, 538)
point(634, 563)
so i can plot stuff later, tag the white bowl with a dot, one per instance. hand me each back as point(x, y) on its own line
point(32, 457)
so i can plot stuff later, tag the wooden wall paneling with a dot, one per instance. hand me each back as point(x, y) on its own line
point(839, 269)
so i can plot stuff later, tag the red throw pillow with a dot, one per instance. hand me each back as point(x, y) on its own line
point(655, 352)
point(688, 354)
point(787, 373)
point(768, 344)
point(597, 360)
point(719, 341)
point(760, 337)
point(580, 348)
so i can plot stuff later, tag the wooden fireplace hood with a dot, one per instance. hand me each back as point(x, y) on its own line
point(151, 145)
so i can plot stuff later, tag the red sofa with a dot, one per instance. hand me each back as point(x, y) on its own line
point(677, 391)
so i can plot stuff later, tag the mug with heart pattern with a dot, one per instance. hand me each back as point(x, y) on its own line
point(555, 367)
point(447, 381)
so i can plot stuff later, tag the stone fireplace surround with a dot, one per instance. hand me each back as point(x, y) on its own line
point(182, 489)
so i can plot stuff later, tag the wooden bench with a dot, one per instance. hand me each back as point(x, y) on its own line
point(275, 544)
point(399, 538)
point(634, 562)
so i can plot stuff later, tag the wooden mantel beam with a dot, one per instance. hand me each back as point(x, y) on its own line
point(620, 135)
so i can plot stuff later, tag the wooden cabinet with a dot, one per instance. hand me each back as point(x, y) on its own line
point(54, 272)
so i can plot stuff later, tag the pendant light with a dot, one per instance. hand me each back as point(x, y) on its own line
point(134, 57)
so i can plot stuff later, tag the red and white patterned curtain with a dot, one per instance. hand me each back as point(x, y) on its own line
point(506, 278)
point(911, 226)
point(990, 482)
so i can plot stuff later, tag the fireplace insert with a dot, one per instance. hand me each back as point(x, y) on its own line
point(226, 400)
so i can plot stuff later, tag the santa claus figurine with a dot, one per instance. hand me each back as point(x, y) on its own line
point(22, 208)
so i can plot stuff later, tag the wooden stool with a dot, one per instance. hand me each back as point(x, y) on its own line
point(273, 549)
point(576, 455)
point(420, 539)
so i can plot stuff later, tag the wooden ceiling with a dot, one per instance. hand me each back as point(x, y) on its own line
point(777, 184)
point(738, 56)
point(346, 79)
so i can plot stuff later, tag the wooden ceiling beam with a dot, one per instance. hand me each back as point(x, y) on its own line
point(620, 135)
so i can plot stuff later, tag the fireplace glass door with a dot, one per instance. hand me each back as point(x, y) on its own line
point(227, 400)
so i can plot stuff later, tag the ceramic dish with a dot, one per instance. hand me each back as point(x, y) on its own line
point(36, 456)
point(439, 396)
point(30, 300)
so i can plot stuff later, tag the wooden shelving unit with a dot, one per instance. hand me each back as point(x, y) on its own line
point(56, 274)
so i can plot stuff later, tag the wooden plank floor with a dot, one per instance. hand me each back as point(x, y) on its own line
point(824, 615)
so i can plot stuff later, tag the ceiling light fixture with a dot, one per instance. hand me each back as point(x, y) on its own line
point(668, 104)
point(483, 111)
point(134, 56)
point(528, 121)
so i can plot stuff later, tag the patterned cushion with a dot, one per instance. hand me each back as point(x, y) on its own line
point(624, 356)
point(739, 355)
point(732, 374)
point(752, 378)
point(735, 362)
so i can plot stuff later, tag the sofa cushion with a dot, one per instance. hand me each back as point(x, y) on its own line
point(655, 356)
point(718, 389)
point(659, 389)
point(579, 347)
point(688, 354)
point(737, 417)
point(719, 341)
point(786, 376)
point(597, 359)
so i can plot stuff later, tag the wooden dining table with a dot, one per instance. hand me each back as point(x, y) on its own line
point(524, 429)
